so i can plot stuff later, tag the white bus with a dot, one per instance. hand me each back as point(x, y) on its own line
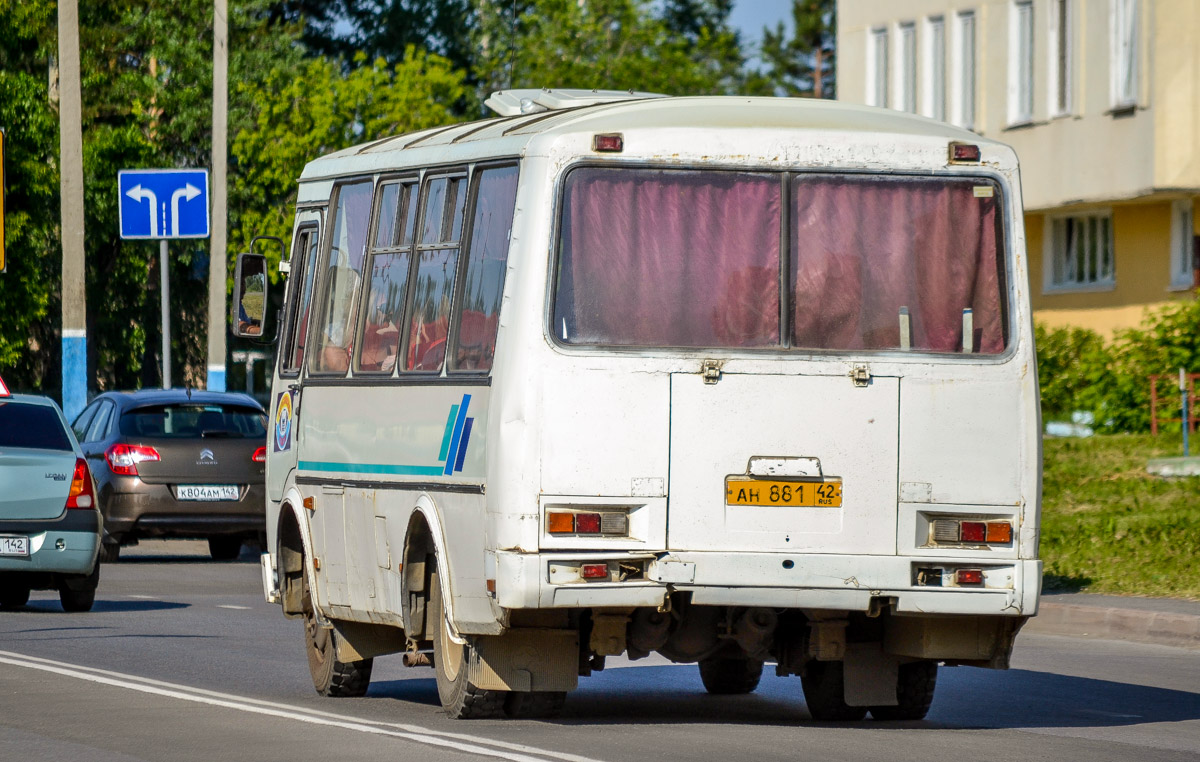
point(737, 381)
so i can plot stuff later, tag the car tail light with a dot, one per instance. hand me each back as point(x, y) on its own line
point(594, 571)
point(974, 531)
point(260, 455)
point(969, 576)
point(999, 532)
point(123, 459)
point(81, 495)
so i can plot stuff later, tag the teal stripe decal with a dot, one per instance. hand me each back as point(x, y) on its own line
point(446, 435)
point(370, 468)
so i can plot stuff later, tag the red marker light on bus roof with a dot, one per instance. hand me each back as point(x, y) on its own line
point(612, 143)
point(964, 152)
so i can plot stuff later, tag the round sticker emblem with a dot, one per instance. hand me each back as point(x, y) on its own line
point(283, 422)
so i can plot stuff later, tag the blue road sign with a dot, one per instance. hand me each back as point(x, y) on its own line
point(163, 203)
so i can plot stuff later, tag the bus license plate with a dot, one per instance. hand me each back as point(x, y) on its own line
point(11, 545)
point(744, 490)
point(208, 492)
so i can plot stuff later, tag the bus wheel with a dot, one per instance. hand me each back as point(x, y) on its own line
point(534, 704)
point(330, 677)
point(914, 692)
point(459, 697)
point(824, 693)
point(730, 677)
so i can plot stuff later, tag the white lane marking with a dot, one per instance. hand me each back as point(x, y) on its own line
point(472, 745)
point(230, 606)
point(143, 597)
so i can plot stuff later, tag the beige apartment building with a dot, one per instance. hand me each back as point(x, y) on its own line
point(1100, 99)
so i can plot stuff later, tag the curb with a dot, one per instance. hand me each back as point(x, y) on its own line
point(1112, 623)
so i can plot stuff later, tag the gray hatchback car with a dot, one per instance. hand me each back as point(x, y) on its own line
point(177, 463)
point(49, 524)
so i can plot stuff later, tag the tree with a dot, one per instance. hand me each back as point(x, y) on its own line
point(604, 44)
point(805, 65)
point(300, 115)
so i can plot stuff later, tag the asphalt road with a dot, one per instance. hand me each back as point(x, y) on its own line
point(181, 659)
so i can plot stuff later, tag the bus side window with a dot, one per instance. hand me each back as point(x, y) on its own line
point(304, 255)
point(391, 258)
point(347, 254)
point(487, 257)
point(436, 266)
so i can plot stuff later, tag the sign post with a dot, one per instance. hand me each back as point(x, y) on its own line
point(163, 204)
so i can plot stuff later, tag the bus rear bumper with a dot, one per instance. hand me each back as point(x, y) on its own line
point(912, 585)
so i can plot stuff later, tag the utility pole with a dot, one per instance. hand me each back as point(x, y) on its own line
point(74, 295)
point(216, 258)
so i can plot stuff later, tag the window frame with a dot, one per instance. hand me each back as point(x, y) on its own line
point(963, 77)
point(1061, 63)
point(360, 320)
point(454, 171)
point(877, 67)
point(321, 286)
point(934, 69)
point(1125, 52)
point(1050, 254)
point(1183, 235)
point(295, 284)
point(785, 351)
point(464, 256)
point(906, 67)
point(106, 407)
point(1022, 27)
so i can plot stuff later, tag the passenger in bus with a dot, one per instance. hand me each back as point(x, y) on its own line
point(381, 336)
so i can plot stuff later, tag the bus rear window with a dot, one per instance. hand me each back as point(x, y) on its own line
point(684, 258)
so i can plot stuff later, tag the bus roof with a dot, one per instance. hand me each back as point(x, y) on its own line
point(520, 134)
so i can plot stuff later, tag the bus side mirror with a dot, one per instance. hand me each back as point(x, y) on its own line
point(249, 311)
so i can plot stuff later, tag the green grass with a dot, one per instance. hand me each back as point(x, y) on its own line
point(1109, 527)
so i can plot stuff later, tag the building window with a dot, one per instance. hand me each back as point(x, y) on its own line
point(1182, 244)
point(963, 70)
point(906, 95)
point(1060, 60)
point(1123, 20)
point(1020, 63)
point(935, 68)
point(1081, 251)
point(877, 68)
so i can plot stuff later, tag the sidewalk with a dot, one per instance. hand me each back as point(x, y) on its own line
point(1163, 621)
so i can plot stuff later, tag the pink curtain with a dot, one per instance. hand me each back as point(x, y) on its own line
point(863, 247)
point(669, 258)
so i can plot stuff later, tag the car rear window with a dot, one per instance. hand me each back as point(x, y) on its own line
point(34, 426)
point(191, 420)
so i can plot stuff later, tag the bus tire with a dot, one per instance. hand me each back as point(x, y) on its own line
point(534, 704)
point(460, 698)
point(730, 677)
point(914, 692)
point(331, 677)
point(824, 693)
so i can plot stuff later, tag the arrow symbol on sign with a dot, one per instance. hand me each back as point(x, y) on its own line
point(138, 193)
point(187, 192)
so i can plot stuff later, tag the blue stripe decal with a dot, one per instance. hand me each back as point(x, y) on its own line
point(448, 432)
point(462, 448)
point(369, 468)
point(458, 427)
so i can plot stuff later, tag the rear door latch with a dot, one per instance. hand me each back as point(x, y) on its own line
point(710, 371)
point(861, 375)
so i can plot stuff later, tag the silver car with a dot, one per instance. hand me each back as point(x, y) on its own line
point(50, 522)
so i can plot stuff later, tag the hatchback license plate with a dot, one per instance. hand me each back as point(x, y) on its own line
point(11, 545)
point(208, 492)
point(745, 490)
